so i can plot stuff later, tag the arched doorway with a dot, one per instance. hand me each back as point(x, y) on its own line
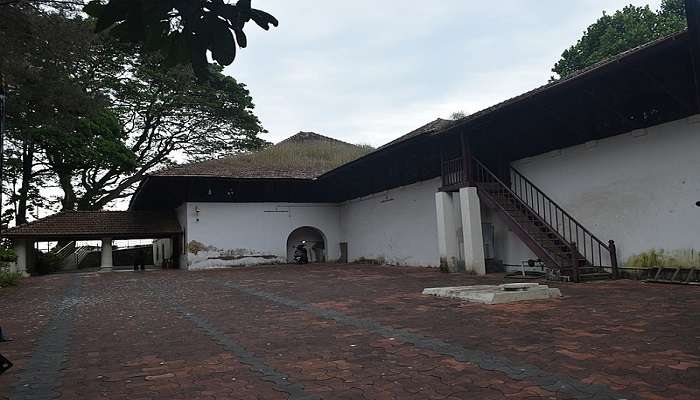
point(315, 243)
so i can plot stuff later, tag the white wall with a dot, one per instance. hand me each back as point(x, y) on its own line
point(507, 245)
point(398, 226)
point(639, 188)
point(230, 230)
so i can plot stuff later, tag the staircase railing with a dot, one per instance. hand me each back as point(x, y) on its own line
point(66, 250)
point(483, 176)
point(588, 245)
point(596, 252)
point(73, 260)
point(452, 172)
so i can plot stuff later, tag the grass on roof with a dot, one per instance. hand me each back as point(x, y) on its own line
point(319, 155)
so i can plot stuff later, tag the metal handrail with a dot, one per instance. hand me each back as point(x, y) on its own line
point(556, 259)
point(66, 250)
point(541, 205)
point(559, 220)
point(452, 172)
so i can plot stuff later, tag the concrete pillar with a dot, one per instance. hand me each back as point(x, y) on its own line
point(471, 229)
point(447, 232)
point(106, 264)
point(25, 255)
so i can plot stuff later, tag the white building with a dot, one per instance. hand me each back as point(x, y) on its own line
point(554, 175)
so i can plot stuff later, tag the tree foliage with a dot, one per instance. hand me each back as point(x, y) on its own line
point(182, 30)
point(168, 114)
point(457, 115)
point(52, 97)
point(626, 29)
point(92, 115)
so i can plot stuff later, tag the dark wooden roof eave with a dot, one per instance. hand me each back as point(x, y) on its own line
point(48, 237)
point(93, 225)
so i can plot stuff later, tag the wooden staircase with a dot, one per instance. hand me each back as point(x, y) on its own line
point(560, 241)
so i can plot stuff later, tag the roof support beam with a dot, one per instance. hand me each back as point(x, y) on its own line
point(692, 11)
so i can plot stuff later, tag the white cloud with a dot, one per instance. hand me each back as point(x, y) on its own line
point(368, 71)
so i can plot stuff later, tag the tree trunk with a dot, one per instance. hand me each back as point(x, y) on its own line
point(23, 195)
point(68, 201)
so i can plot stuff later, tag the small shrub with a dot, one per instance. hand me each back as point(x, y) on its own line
point(681, 258)
point(8, 278)
point(47, 263)
point(195, 247)
point(7, 254)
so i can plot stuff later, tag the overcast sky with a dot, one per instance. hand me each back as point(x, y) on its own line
point(368, 71)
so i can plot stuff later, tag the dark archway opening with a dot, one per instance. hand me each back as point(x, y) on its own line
point(315, 243)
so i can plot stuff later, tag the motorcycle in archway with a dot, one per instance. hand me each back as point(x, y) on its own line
point(301, 255)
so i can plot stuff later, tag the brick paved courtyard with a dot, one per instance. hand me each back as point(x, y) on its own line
point(341, 332)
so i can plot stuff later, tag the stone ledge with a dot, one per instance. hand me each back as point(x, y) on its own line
point(497, 294)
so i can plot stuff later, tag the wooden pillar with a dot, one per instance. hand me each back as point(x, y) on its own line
point(467, 160)
point(613, 259)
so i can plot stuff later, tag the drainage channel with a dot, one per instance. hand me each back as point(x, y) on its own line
point(486, 361)
point(41, 376)
point(255, 364)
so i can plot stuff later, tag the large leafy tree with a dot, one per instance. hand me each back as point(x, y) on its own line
point(168, 114)
point(625, 29)
point(182, 30)
point(92, 115)
point(48, 72)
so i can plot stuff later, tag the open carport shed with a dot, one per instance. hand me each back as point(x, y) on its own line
point(106, 226)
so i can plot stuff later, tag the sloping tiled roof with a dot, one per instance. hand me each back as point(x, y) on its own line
point(304, 160)
point(575, 77)
point(438, 125)
point(99, 224)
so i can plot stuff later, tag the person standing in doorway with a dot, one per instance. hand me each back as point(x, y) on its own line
point(140, 260)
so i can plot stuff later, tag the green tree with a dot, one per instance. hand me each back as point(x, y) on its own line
point(43, 63)
point(626, 29)
point(182, 30)
point(169, 115)
point(93, 116)
point(458, 115)
point(97, 139)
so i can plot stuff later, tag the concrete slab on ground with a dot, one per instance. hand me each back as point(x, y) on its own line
point(497, 294)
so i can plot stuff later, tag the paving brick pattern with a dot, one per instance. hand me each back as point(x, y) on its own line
point(345, 332)
point(40, 378)
point(25, 313)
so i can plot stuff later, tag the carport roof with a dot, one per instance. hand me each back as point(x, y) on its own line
point(99, 224)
